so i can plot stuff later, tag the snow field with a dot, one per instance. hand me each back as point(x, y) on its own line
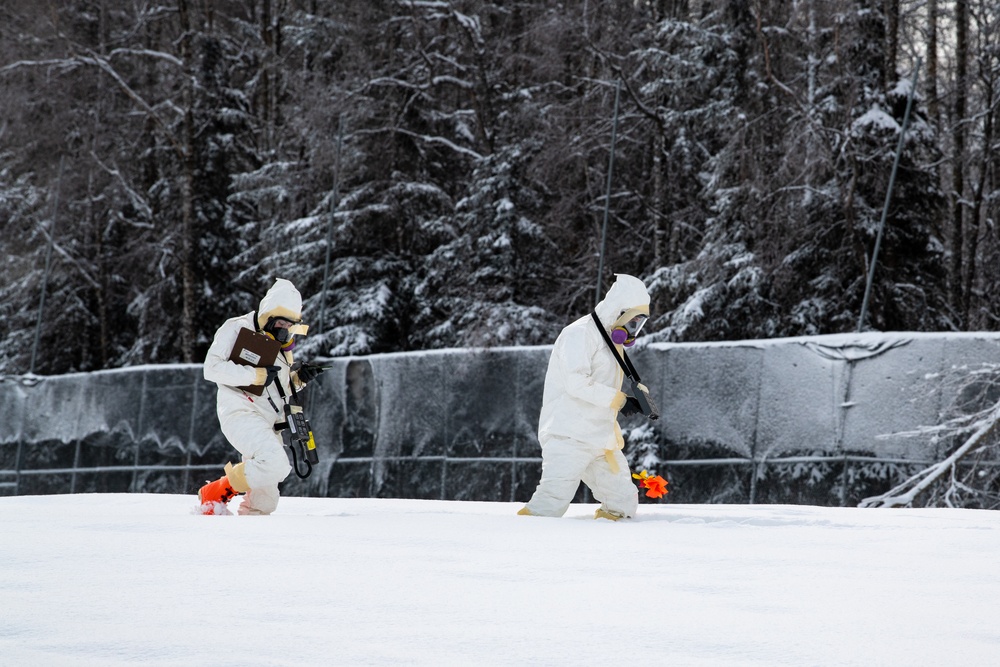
point(118, 579)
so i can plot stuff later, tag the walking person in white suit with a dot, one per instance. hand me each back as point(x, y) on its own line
point(578, 428)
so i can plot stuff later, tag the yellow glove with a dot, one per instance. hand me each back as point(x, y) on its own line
point(618, 401)
point(266, 375)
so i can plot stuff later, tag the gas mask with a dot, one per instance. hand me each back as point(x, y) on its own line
point(625, 333)
point(282, 330)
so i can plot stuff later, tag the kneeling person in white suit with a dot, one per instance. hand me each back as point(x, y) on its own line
point(249, 421)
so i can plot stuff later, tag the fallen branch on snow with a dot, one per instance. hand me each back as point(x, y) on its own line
point(904, 494)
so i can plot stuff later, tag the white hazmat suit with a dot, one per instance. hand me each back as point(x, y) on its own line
point(248, 421)
point(578, 428)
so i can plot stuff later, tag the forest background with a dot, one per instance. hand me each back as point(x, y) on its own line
point(438, 174)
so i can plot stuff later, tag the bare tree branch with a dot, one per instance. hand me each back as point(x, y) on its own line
point(905, 493)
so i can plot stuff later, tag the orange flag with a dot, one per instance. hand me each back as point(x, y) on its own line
point(655, 485)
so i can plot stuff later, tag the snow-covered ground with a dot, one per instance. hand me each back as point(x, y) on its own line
point(137, 579)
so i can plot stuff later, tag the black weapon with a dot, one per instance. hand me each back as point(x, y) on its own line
point(299, 433)
point(645, 401)
point(296, 432)
point(298, 366)
point(643, 398)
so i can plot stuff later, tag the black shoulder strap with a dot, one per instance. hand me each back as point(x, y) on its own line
point(626, 363)
point(282, 394)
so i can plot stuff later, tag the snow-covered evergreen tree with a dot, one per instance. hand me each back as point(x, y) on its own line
point(479, 287)
point(203, 157)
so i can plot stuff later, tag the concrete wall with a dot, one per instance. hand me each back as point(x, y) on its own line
point(763, 421)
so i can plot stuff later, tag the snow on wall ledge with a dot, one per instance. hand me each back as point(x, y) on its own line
point(460, 424)
point(827, 394)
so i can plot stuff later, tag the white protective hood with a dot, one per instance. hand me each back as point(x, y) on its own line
point(626, 298)
point(282, 300)
point(583, 377)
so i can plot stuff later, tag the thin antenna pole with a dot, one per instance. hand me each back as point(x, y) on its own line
point(329, 224)
point(607, 197)
point(888, 198)
point(48, 265)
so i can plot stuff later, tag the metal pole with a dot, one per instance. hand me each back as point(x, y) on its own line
point(48, 264)
point(888, 197)
point(607, 197)
point(329, 224)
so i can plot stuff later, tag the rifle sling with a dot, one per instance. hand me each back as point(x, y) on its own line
point(626, 363)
